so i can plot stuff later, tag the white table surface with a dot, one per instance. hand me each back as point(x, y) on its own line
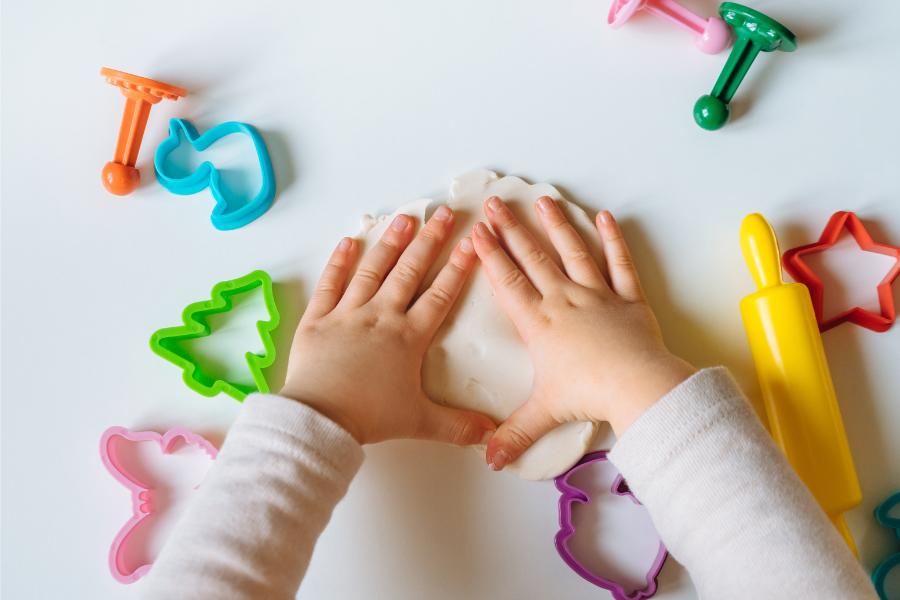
point(366, 105)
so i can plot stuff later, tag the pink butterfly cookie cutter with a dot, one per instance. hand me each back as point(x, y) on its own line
point(141, 492)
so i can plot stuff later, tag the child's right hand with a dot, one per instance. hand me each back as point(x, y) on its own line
point(597, 349)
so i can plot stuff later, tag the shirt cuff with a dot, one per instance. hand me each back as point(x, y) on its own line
point(675, 421)
point(299, 425)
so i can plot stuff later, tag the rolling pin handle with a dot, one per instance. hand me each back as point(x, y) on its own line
point(760, 249)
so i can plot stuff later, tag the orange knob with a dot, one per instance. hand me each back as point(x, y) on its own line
point(120, 176)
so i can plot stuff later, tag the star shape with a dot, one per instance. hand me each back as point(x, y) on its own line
point(801, 272)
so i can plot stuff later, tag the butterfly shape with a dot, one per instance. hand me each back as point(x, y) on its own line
point(129, 559)
point(620, 521)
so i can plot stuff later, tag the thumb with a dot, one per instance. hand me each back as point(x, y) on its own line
point(526, 425)
point(454, 426)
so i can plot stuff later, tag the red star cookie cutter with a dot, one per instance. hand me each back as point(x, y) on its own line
point(800, 271)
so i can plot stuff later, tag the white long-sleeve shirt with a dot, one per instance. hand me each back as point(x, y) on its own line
point(725, 502)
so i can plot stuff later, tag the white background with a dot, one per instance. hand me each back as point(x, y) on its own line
point(366, 105)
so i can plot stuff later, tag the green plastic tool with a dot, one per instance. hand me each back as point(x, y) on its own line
point(754, 33)
point(167, 342)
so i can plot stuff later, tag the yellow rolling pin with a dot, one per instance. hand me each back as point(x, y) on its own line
point(801, 406)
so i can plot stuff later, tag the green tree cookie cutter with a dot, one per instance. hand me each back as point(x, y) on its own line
point(167, 342)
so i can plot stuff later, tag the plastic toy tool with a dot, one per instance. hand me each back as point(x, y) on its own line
point(712, 34)
point(571, 495)
point(801, 407)
point(800, 271)
point(142, 491)
point(230, 211)
point(120, 176)
point(167, 342)
point(888, 515)
point(755, 33)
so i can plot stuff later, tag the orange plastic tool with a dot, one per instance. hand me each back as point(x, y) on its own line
point(120, 176)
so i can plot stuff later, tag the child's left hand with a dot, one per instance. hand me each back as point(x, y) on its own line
point(358, 351)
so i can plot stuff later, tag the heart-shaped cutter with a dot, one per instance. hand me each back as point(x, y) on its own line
point(571, 495)
point(141, 493)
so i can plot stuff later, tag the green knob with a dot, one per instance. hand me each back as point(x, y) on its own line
point(754, 33)
point(710, 113)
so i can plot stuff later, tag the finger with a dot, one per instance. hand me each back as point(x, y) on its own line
point(378, 261)
point(333, 280)
point(516, 295)
point(432, 307)
point(405, 278)
point(622, 274)
point(517, 433)
point(576, 258)
point(454, 426)
point(523, 248)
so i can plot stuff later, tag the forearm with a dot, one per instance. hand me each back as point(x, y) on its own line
point(726, 502)
point(250, 530)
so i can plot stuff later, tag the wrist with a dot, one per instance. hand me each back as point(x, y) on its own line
point(656, 380)
point(329, 410)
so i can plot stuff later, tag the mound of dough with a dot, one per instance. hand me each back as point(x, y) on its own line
point(477, 360)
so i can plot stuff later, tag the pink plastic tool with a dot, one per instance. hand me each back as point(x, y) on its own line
point(141, 491)
point(713, 34)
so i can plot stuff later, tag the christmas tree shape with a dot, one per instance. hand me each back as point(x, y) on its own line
point(168, 342)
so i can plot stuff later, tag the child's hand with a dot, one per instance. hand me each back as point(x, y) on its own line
point(597, 349)
point(358, 351)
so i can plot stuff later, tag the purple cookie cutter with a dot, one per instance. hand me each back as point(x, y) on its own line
point(572, 494)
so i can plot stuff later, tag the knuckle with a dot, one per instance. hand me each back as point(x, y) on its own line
point(440, 297)
point(615, 236)
point(578, 254)
point(368, 274)
point(519, 437)
point(461, 431)
point(536, 256)
point(507, 221)
point(407, 272)
point(327, 288)
point(388, 245)
point(623, 259)
point(431, 234)
point(513, 279)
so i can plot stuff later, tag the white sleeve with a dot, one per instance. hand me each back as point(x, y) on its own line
point(726, 502)
point(250, 530)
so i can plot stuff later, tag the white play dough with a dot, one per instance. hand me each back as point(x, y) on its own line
point(477, 360)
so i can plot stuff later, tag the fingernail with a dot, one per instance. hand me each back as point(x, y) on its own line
point(486, 437)
point(465, 245)
point(606, 217)
point(495, 204)
point(400, 223)
point(442, 214)
point(344, 244)
point(501, 458)
point(482, 231)
point(546, 204)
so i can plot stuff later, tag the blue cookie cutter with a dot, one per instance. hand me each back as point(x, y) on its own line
point(883, 516)
point(229, 212)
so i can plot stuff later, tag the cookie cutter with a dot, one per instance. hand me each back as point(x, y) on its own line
point(571, 495)
point(800, 271)
point(141, 492)
point(882, 515)
point(229, 212)
point(166, 342)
